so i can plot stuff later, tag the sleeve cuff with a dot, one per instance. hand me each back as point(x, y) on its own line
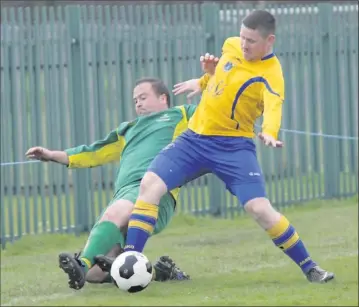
point(203, 81)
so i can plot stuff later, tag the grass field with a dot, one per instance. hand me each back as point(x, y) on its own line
point(232, 263)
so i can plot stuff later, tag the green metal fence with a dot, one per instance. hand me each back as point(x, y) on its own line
point(67, 75)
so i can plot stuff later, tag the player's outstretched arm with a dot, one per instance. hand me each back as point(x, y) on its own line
point(83, 156)
point(45, 155)
point(98, 153)
point(196, 86)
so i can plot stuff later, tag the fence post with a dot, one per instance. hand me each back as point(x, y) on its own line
point(81, 186)
point(210, 16)
point(329, 96)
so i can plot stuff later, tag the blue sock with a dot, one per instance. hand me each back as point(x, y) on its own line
point(141, 225)
point(286, 238)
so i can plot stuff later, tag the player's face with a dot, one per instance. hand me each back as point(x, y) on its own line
point(254, 45)
point(146, 100)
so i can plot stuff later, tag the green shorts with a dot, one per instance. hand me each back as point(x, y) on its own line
point(166, 205)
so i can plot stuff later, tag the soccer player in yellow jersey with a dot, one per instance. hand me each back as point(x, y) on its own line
point(247, 83)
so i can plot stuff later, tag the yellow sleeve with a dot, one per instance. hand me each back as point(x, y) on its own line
point(204, 80)
point(273, 97)
point(98, 153)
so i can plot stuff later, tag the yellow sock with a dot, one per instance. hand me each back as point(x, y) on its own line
point(287, 239)
point(141, 225)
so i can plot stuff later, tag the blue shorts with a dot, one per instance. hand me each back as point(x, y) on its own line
point(231, 159)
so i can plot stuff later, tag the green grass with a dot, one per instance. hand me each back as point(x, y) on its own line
point(232, 263)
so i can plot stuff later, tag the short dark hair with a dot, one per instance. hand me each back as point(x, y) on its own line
point(262, 21)
point(158, 86)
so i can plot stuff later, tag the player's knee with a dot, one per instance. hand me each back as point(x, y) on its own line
point(262, 211)
point(118, 213)
point(152, 188)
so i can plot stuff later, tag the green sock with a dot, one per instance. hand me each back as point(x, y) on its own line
point(101, 240)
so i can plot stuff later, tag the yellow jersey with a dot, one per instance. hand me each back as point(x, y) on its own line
point(238, 93)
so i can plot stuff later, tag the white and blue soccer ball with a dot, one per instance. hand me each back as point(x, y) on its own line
point(131, 271)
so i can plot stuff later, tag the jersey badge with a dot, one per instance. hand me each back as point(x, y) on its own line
point(228, 66)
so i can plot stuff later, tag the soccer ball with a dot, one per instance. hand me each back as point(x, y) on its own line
point(131, 271)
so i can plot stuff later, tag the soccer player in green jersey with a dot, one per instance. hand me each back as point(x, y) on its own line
point(135, 144)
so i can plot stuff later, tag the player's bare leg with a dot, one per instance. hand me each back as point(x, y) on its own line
point(286, 238)
point(164, 269)
point(96, 274)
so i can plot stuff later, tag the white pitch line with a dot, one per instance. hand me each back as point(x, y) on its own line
point(19, 301)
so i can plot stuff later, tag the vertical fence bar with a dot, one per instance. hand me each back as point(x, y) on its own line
point(112, 100)
point(39, 102)
point(176, 68)
point(102, 85)
point(283, 55)
point(88, 54)
point(81, 178)
point(26, 71)
point(353, 94)
point(51, 114)
point(54, 114)
point(144, 42)
point(160, 59)
point(293, 182)
point(307, 106)
point(210, 20)
point(328, 94)
point(317, 99)
point(298, 91)
point(133, 52)
point(168, 44)
point(16, 123)
point(6, 220)
point(153, 48)
point(125, 65)
point(63, 201)
point(343, 84)
point(32, 118)
point(71, 216)
point(311, 103)
point(24, 100)
point(47, 126)
point(104, 89)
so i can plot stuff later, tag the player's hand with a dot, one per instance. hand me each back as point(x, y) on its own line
point(209, 63)
point(191, 86)
point(39, 153)
point(270, 141)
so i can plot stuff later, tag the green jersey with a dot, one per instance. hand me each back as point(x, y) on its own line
point(135, 144)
